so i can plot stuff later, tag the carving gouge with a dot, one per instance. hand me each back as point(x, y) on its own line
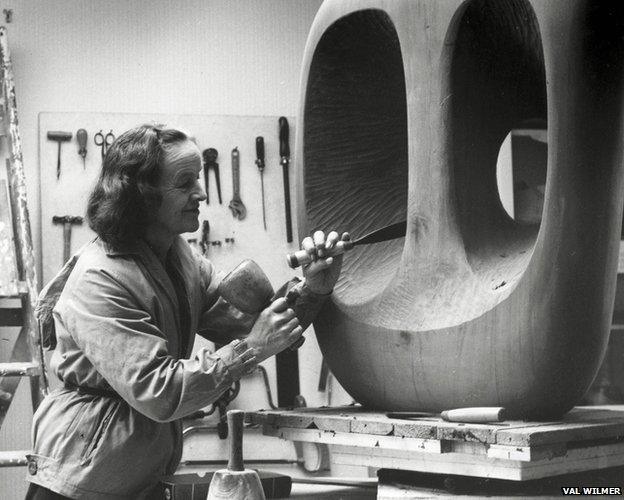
point(477, 415)
point(260, 163)
point(391, 232)
point(285, 161)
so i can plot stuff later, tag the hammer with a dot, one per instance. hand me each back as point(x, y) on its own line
point(59, 137)
point(67, 221)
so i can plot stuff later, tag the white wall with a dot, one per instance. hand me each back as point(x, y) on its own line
point(145, 56)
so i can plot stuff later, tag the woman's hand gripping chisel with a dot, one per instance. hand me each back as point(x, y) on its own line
point(391, 232)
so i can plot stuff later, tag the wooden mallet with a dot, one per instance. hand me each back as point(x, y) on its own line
point(235, 482)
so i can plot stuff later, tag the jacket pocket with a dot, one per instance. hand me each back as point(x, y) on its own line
point(98, 432)
point(77, 417)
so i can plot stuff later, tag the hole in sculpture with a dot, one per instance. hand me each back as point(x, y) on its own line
point(355, 145)
point(498, 84)
point(521, 172)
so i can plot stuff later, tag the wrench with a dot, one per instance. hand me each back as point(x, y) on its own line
point(236, 205)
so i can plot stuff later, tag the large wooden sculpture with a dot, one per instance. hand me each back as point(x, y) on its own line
point(404, 106)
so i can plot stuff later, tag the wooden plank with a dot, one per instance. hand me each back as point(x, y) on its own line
point(283, 418)
point(421, 429)
point(13, 458)
point(581, 424)
point(19, 369)
point(566, 433)
point(360, 421)
point(443, 463)
point(375, 427)
point(527, 454)
point(358, 440)
point(367, 422)
point(576, 460)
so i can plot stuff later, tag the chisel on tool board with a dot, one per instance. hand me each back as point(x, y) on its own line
point(260, 164)
point(391, 232)
point(285, 161)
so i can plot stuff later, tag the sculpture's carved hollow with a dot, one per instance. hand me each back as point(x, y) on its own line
point(404, 106)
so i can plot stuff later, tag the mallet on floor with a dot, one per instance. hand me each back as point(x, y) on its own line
point(236, 482)
point(59, 137)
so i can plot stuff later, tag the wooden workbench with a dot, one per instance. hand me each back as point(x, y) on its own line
point(587, 438)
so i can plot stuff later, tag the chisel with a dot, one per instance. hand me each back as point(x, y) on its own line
point(285, 161)
point(391, 232)
point(260, 163)
point(478, 415)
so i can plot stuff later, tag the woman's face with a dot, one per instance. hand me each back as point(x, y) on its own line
point(180, 190)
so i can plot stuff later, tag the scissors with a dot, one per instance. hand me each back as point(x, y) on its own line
point(104, 141)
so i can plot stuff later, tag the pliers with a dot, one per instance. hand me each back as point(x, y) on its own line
point(210, 163)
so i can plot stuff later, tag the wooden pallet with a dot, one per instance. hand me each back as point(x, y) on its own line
point(587, 438)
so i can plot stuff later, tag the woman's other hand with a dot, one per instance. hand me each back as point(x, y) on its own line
point(276, 328)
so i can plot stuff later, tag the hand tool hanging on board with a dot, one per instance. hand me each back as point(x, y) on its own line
point(236, 482)
point(67, 221)
point(391, 232)
point(104, 141)
point(210, 163)
point(81, 137)
point(204, 242)
point(260, 163)
point(236, 205)
point(59, 137)
point(285, 161)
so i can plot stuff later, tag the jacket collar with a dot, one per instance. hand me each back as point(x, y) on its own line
point(134, 247)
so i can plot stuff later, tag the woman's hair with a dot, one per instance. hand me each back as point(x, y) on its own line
point(125, 195)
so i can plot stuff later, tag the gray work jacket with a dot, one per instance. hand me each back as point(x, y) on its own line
point(116, 320)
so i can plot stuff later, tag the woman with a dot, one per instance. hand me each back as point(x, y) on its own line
point(123, 313)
